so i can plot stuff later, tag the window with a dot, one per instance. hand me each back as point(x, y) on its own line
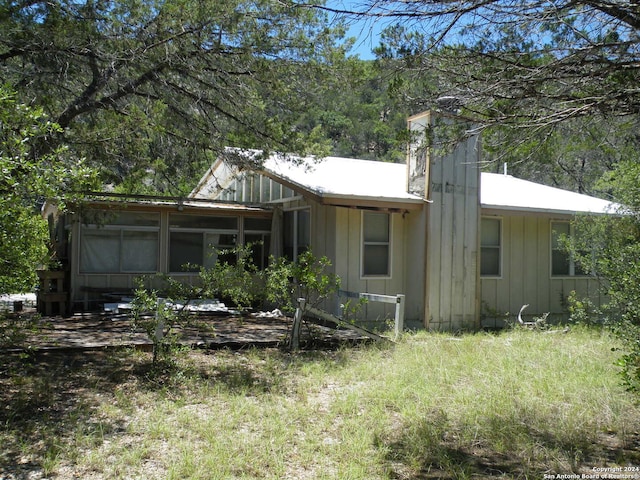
point(196, 241)
point(297, 232)
point(490, 239)
point(376, 244)
point(127, 243)
point(562, 262)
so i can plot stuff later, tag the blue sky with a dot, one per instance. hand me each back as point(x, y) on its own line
point(366, 32)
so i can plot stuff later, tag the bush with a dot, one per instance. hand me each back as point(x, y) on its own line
point(160, 301)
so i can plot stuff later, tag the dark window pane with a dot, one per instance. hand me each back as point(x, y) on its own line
point(559, 263)
point(177, 220)
point(185, 248)
point(490, 232)
point(260, 224)
point(490, 261)
point(376, 260)
point(376, 227)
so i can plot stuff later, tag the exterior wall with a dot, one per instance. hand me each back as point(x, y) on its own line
point(348, 263)
point(336, 232)
point(415, 251)
point(526, 274)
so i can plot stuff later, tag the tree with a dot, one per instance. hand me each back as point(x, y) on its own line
point(150, 91)
point(615, 240)
point(361, 118)
point(574, 154)
point(27, 179)
point(530, 63)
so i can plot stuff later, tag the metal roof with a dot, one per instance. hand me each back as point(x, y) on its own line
point(352, 178)
point(348, 181)
point(347, 178)
point(504, 192)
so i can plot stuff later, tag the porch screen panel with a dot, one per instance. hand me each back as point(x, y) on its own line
point(199, 240)
point(100, 251)
point(257, 233)
point(123, 242)
point(218, 248)
point(139, 251)
point(185, 248)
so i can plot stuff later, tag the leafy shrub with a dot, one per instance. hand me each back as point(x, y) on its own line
point(307, 278)
point(160, 301)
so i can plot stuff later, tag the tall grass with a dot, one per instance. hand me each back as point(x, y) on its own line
point(518, 404)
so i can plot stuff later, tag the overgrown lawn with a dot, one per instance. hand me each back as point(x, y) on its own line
point(519, 404)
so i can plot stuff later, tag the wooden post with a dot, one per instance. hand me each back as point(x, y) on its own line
point(294, 342)
point(399, 314)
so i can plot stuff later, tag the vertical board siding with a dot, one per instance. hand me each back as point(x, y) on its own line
point(453, 239)
point(348, 251)
point(526, 275)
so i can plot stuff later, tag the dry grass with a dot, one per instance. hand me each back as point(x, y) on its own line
point(516, 405)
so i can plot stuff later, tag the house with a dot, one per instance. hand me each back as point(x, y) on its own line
point(464, 247)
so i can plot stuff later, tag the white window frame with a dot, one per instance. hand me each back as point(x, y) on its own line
point(499, 247)
point(388, 243)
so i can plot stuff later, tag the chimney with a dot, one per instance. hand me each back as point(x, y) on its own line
point(419, 127)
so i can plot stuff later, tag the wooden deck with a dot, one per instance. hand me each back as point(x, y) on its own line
point(100, 331)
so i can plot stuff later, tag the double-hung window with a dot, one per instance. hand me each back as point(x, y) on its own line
point(563, 262)
point(490, 246)
point(196, 241)
point(124, 242)
point(376, 244)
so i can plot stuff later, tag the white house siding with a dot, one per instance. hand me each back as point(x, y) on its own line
point(415, 228)
point(348, 251)
point(526, 274)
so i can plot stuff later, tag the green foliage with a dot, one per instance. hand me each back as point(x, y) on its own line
point(27, 177)
point(159, 317)
point(151, 91)
point(238, 281)
point(581, 310)
point(160, 301)
point(307, 278)
point(616, 241)
point(519, 404)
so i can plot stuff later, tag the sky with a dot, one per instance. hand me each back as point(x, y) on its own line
point(366, 32)
point(367, 37)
